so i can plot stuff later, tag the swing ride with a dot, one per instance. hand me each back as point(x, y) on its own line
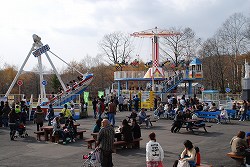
point(169, 79)
point(67, 94)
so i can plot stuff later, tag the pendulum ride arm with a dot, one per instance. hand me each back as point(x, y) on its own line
point(54, 68)
point(20, 71)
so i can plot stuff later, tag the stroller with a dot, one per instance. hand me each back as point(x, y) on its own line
point(20, 130)
point(92, 159)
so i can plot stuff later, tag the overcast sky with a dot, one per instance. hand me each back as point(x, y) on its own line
point(73, 28)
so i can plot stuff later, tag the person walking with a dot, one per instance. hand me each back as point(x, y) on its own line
point(100, 108)
point(51, 114)
point(111, 112)
point(120, 101)
point(105, 142)
point(1, 112)
point(94, 103)
point(12, 123)
point(136, 103)
point(6, 110)
point(244, 111)
point(154, 152)
point(38, 118)
point(72, 110)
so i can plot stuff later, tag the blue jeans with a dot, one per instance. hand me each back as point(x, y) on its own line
point(243, 117)
point(5, 121)
point(111, 118)
point(99, 115)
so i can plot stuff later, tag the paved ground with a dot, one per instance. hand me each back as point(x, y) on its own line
point(28, 152)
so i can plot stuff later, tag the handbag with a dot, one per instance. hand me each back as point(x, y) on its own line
point(182, 163)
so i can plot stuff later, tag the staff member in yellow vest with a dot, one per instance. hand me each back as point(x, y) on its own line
point(66, 112)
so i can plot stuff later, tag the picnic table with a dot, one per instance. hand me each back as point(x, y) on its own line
point(191, 124)
point(48, 130)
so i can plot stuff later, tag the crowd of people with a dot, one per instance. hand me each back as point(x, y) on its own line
point(104, 113)
point(13, 116)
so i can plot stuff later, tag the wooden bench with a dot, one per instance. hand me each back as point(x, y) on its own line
point(233, 155)
point(90, 141)
point(80, 133)
point(134, 144)
point(55, 138)
point(238, 158)
point(154, 120)
point(39, 134)
point(203, 165)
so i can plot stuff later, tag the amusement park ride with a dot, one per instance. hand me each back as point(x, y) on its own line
point(68, 94)
point(156, 73)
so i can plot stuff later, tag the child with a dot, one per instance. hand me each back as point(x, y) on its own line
point(198, 156)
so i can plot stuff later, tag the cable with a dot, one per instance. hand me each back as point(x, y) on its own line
point(66, 62)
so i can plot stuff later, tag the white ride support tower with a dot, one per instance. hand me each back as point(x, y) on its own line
point(37, 50)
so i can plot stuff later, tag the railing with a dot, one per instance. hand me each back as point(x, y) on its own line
point(129, 74)
point(168, 85)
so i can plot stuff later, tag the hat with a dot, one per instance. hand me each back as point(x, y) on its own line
point(247, 134)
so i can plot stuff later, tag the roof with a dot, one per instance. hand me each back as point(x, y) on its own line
point(196, 61)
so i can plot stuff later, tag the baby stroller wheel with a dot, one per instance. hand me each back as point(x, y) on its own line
point(26, 135)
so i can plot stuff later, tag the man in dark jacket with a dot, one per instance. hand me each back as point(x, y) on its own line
point(178, 120)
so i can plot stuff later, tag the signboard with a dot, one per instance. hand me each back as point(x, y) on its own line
point(100, 94)
point(41, 50)
point(44, 82)
point(19, 82)
point(228, 90)
point(145, 99)
point(202, 88)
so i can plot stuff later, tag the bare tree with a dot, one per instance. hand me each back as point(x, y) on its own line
point(181, 46)
point(234, 33)
point(117, 47)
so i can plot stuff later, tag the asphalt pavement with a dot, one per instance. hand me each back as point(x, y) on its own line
point(29, 152)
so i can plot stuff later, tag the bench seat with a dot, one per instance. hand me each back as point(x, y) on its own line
point(203, 165)
point(134, 144)
point(39, 134)
point(233, 155)
point(80, 133)
point(90, 141)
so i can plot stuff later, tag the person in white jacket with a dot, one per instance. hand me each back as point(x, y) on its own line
point(154, 152)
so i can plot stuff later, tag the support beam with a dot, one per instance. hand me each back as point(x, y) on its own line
point(20, 71)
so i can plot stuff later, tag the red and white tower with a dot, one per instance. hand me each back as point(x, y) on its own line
point(155, 71)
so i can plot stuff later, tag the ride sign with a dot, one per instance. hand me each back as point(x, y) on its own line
point(19, 82)
point(41, 50)
point(228, 90)
point(44, 82)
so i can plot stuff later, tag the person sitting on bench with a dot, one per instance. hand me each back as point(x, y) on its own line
point(239, 146)
point(132, 115)
point(58, 130)
point(126, 131)
point(143, 117)
point(136, 130)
